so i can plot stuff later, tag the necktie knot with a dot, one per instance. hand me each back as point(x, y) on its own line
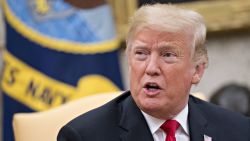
point(169, 127)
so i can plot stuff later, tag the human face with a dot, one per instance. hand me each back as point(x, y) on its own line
point(161, 71)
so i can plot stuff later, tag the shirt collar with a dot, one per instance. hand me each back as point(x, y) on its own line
point(155, 123)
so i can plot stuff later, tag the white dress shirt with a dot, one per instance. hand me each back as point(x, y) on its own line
point(182, 133)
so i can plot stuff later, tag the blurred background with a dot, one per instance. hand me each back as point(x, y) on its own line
point(55, 51)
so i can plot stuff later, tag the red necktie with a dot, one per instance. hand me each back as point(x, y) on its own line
point(169, 127)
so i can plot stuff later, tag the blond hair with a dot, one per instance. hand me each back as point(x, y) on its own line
point(169, 18)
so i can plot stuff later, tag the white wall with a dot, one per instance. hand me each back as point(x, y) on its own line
point(229, 58)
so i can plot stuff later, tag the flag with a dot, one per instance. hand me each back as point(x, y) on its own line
point(55, 53)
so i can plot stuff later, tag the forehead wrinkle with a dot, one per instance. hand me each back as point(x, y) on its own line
point(138, 43)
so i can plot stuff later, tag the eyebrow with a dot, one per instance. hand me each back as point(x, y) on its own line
point(162, 46)
point(139, 44)
point(170, 47)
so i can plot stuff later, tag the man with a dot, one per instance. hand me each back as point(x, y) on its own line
point(166, 56)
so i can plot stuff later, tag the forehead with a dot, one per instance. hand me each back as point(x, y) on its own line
point(155, 37)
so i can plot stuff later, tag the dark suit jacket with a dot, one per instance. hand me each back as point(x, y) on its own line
point(122, 120)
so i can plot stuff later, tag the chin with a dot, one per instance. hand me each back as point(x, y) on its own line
point(150, 106)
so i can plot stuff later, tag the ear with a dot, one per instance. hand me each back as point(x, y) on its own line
point(199, 70)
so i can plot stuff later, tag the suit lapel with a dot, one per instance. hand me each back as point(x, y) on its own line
point(135, 128)
point(197, 122)
point(133, 123)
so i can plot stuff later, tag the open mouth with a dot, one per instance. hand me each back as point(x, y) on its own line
point(152, 86)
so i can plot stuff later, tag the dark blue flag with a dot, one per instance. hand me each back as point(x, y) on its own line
point(56, 53)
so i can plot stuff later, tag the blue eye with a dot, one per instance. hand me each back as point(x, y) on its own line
point(140, 55)
point(169, 54)
point(170, 57)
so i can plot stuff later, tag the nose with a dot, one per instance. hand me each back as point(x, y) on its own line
point(153, 68)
